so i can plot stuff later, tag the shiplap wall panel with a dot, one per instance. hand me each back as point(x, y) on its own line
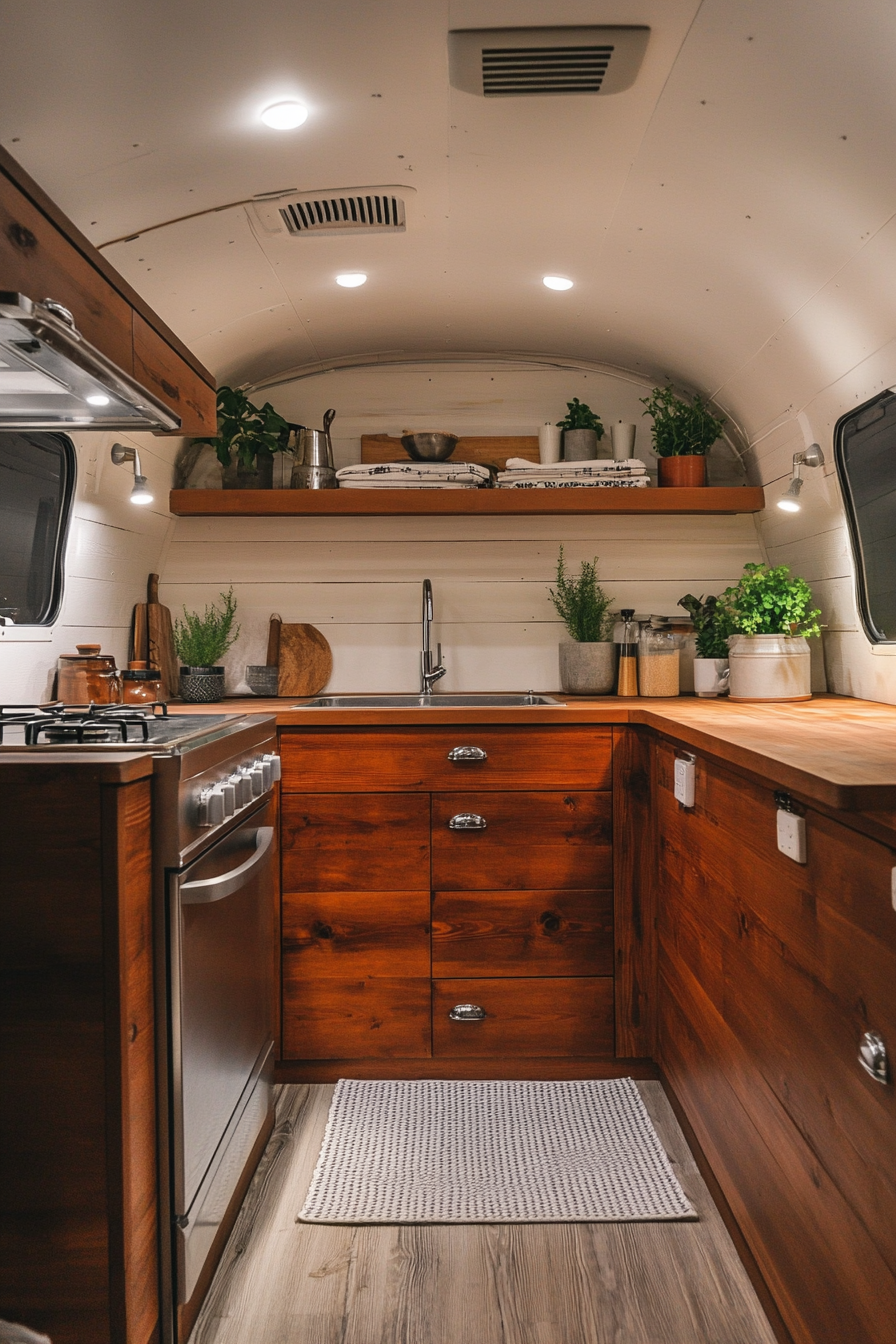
point(112, 546)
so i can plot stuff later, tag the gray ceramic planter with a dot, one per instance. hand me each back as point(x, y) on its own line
point(579, 445)
point(588, 669)
point(201, 685)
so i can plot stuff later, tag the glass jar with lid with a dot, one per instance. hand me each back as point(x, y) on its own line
point(625, 637)
point(141, 684)
point(658, 658)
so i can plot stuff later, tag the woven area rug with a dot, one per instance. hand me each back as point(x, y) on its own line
point(491, 1152)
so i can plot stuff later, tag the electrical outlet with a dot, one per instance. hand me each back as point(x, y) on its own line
point(792, 835)
point(685, 780)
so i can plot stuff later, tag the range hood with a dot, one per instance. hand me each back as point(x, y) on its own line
point(51, 378)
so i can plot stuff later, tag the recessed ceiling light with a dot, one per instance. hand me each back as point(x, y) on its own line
point(285, 116)
point(97, 399)
point(557, 282)
point(351, 279)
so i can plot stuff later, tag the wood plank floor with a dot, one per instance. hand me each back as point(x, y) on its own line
point(284, 1282)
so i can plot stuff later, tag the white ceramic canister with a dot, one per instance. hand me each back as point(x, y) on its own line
point(769, 667)
point(549, 442)
point(623, 437)
point(710, 677)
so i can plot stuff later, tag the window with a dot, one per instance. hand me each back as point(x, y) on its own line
point(37, 477)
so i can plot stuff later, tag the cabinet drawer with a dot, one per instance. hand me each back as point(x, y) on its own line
point(355, 842)
point(536, 757)
point(534, 1018)
point(530, 840)
point(354, 1018)
point(357, 933)
point(504, 933)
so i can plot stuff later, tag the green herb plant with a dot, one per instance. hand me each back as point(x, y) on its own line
point(580, 416)
point(581, 603)
point(246, 430)
point(202, 641)
point(770, 601)
point(712, 625)
point(681, 428)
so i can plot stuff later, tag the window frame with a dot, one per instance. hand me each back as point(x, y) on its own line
point(25, 630)
point(870, 630)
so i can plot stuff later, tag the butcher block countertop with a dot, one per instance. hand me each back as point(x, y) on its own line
point(832, 750)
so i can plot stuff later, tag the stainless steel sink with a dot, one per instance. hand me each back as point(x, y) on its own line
point(497, 701)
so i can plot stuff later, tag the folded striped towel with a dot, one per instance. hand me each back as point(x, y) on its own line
point(607, 482)
point(590, 467)
point(413, 475)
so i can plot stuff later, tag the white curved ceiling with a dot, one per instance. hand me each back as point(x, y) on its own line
point(726, 221)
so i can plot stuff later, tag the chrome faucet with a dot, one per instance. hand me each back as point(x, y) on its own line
point(430, 669)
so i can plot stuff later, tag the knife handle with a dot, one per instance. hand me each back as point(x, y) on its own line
point(273, 657)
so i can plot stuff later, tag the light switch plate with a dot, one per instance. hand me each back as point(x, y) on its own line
point(685, 780)
point(792, 835)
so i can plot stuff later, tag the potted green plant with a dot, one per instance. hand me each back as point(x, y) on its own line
point(771, 619)
point(247, 438)
point(712, 627)
point(683, 433)
point(581, 430)
point(587, 663)
point(201, 642)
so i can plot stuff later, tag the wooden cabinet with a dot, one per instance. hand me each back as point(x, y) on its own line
point(769, 974)
point(78, 1178)
point(383, 891)
point(43, 255)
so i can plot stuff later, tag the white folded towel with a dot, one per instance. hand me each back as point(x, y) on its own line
point(572, 482)
point(389, 475)
point(590, 467)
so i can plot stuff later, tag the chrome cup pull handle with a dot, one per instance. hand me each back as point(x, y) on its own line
point(467, 1012)
point(467, 754)
point(467, 821)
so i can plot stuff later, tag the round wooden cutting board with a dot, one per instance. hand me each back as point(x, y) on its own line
point(306, 660)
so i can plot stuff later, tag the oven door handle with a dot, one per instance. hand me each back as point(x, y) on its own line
point(216, 888)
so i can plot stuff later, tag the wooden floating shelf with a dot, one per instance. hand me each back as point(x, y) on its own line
point(460, 503)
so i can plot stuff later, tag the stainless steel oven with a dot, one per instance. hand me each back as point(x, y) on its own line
point(221, 931)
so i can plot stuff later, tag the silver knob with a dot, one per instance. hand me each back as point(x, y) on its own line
point(59, 310)
point(228, 791)
point(256, 778)
point(274, 762)
point(467, 754)
point(242, 786)
point(266, 773)
point(467, 1012)
point(873, 1056)
point(216, 806)
point(467, 821)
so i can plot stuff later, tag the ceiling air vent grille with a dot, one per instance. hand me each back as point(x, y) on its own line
point(324, 214)
point(347, 210)
point(528, 62)
point(512, 71)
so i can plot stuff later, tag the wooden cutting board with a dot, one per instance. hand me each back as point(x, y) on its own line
point(306, 660)
point(152, 639)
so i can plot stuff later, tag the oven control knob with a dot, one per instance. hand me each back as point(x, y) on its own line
point(228, 793)
point(266, 773)
point(215, 807)
point(248, 788)
point(274, 762)
point(242, 786)
point(256, 775)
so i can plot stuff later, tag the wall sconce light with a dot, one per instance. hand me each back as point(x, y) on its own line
point(811, 457)
point(140, 493)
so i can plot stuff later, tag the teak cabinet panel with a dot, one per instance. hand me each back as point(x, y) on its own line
point(496, 933)
point(769, 974)
point(354, 1019)
point(355, 842)
point(531, 840)
point(531, 1017)
point(357, 933)
point(540, 757)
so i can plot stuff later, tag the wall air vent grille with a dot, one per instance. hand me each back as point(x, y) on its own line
point(511, 71)
point(335, 213)
point(527, 62)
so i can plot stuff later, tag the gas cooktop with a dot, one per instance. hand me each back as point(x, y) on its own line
point(109, 727)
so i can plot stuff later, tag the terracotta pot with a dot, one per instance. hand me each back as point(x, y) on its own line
point(682, 471)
